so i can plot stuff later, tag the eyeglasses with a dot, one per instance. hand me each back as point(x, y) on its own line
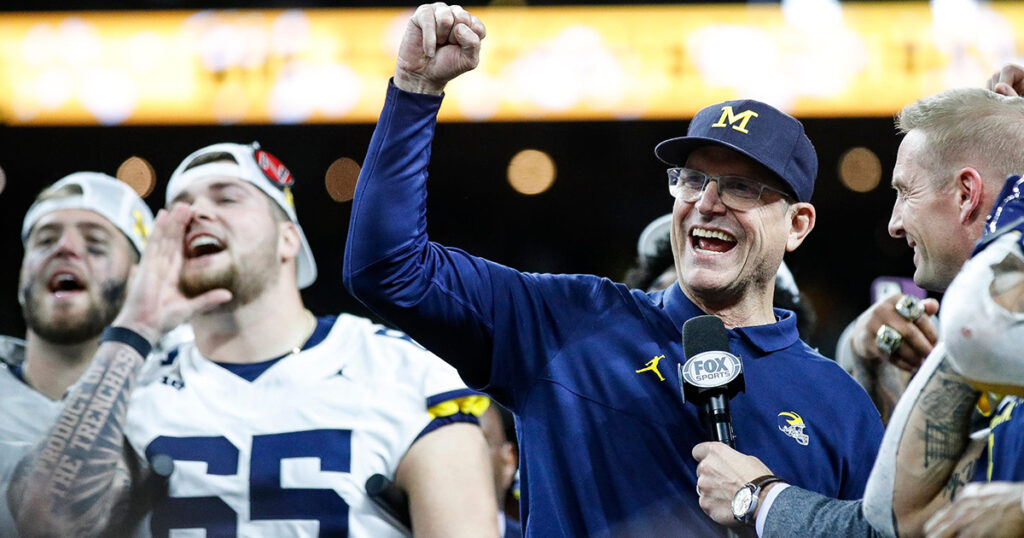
point(736, 192)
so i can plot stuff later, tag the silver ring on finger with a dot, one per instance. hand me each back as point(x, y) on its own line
point(888, 339)
point(910, 307)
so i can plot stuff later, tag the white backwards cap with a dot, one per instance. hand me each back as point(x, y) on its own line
point(109, 197)
point(252, 164)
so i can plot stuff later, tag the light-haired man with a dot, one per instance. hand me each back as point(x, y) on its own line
point(983, 328)
point(83, 236)
point(274, 419)
point(888, 342)
point(984, 314)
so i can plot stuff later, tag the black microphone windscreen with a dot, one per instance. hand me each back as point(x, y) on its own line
point(704, 333)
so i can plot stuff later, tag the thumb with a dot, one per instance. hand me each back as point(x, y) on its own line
point(701, 450)
point(931, 306)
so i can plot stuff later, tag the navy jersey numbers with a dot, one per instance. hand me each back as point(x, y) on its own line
point(268, 500)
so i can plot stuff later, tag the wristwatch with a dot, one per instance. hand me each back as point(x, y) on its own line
point(744, 502)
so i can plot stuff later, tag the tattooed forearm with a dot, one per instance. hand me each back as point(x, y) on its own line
point(941, 443)
point(866, 377)
point(953, 400)
point(947, 412)
point(883, 381)
point(959, 479)
point(946, 406)
point(76, 479)
point(890, 384)
point(935, 454)
point(942, 422)
point(870, 377)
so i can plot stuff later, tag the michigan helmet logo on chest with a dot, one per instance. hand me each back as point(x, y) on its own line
point(792, 424)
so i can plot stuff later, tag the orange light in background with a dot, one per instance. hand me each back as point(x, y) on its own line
point(531, 172)
point(341, 178)
point(138, 174)
point(542, 63)
point(860, 170)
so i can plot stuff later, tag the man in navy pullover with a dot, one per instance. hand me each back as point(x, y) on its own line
point(588, 365)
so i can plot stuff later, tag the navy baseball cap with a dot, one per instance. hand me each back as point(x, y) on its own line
point(767, 135)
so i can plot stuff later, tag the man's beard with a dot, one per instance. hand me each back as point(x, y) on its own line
point(245, 287)
point(99, 314)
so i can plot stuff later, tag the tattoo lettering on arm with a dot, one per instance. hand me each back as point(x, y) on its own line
point(78, 480)
point(960, 477)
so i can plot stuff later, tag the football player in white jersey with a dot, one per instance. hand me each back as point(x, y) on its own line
point(274, 419)
point(83, 235)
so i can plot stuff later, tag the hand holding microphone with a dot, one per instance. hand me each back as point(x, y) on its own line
point(711, 375)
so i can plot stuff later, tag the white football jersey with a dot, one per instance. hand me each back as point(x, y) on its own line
point(289, 453)
point(26, 417)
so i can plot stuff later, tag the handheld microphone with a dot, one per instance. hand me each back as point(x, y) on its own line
point(711, 375)
point(391, 499)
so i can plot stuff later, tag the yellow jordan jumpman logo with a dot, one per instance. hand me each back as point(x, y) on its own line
point(652, 365)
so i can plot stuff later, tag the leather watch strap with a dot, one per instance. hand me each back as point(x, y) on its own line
point(758, 484)
point(762, 481)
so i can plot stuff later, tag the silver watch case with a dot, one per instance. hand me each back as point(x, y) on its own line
point(744, 503)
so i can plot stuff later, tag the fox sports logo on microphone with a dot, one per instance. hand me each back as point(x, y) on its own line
point(712, 369)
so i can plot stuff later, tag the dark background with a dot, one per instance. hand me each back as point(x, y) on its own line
point(609, 186)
